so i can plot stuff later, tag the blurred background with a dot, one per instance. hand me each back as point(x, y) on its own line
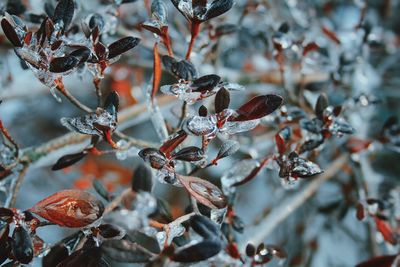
point(356, 64)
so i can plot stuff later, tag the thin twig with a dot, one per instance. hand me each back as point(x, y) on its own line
point(33, 154)
point(117, 201)
point(287, 207)
point(61, 88)
point(17, 186)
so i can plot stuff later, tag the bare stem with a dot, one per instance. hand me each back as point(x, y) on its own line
point(195, 29)
point(287, 207)
point(61, 88)
point(17, 186)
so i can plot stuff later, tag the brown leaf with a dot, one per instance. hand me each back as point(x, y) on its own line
point(203, 191)
point(10, 33)
point(70, 208)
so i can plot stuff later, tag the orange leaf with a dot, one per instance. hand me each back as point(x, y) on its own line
point(70, 208)
point(157, 71)
point(386, 230)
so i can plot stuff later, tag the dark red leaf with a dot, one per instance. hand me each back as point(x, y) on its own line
point(280, 144)
point(181, 69)
point(321, 105)
point(222, 100)
point(6, 214)
point(257, 108)
point(121, 46)
point(203, 111)
point(217, 8)
point(56, 255)
point(70, 208)
point(10, 33)
point(22, 246)
point(111, 105)
point(63, 64)
point(154, 157)
point(250, 250)
point(205, 83)
point(168, 146)
point(68, 160)
point(190, 153)
point(380, 261)
point(101, 50)
point(198, 252)
point(64, 12)
point(142, 179)
point(82, 54)
point(110, 231)
point(360, 211)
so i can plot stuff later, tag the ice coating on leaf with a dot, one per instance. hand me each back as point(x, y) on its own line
point(7, 156)
point(305, 168)
point(189, 91)
point(233, 127)
point(91, 124)
point(237, 173)
point(70, 208)
point(198, 125)
point(203, 191)
point(218, 215)
point(167, 176)
point(175, 230)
